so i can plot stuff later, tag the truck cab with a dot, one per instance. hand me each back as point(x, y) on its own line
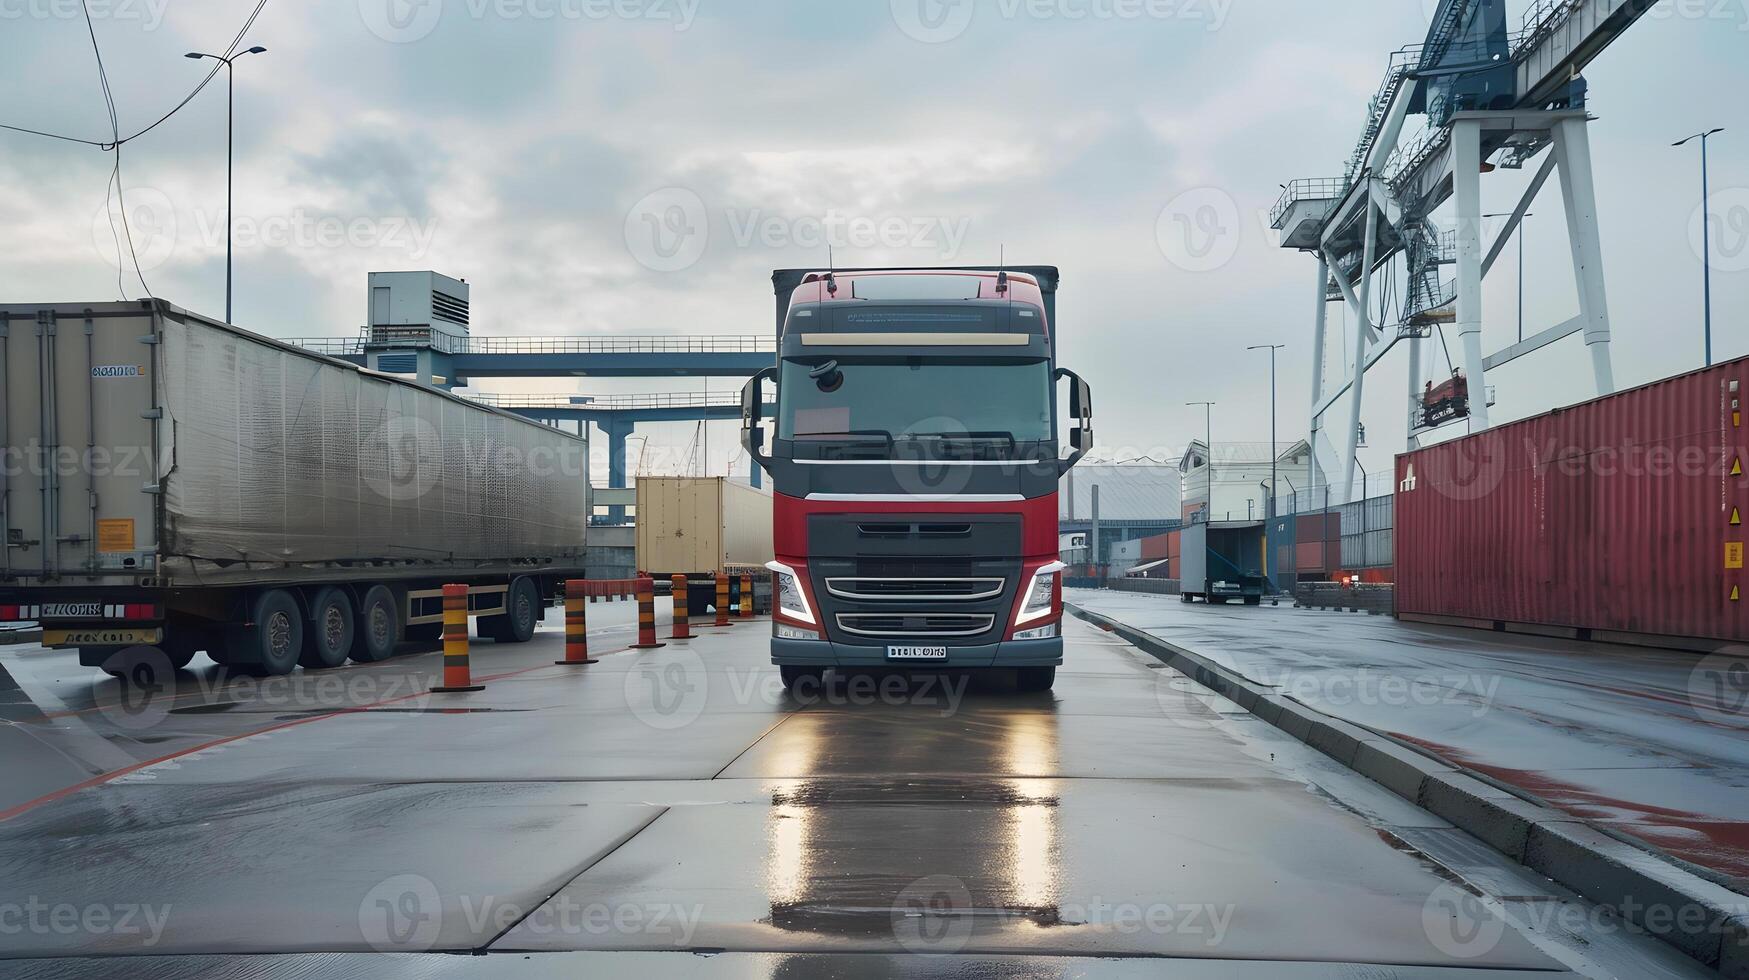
point(915, 461)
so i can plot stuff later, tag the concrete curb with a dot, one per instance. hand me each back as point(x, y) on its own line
point(1706, 921)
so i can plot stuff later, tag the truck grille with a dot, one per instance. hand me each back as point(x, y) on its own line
point(919, 589)
point(915, 624)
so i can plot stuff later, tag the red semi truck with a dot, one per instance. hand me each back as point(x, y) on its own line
point(915, 463)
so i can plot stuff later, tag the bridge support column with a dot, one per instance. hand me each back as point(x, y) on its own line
point(1573, 158)
point(1466, 182)
point(617, 433)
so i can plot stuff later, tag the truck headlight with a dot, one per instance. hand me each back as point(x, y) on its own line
point(1044, 632)
point(1041, 594)
point(791, 598)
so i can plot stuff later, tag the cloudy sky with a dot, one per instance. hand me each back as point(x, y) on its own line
point(539, 148)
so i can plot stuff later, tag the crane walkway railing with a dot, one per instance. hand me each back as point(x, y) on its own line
point(684, 344)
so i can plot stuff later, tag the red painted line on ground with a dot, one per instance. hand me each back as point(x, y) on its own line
point(103, 778)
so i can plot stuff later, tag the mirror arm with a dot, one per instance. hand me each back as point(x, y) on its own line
point(750, 419)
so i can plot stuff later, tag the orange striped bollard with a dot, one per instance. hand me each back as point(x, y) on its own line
point(646, 590)
point(577, 602)
point(746, 597)
point(722, 600)
point(456, 677)
point(682, 630)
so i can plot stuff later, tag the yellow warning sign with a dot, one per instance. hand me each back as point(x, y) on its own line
point(115, 535)
point(1733, 554)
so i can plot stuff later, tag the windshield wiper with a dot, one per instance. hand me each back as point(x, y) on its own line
point(980, 436)
point(861, 435)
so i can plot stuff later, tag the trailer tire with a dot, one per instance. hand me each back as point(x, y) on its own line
point(328, 633)
point(377, 627)
point(270, 646)
point(521, 613)
point(1031, 680)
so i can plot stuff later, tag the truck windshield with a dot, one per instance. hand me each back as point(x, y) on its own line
point(914, 399)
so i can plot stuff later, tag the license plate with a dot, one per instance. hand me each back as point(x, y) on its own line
point(916, 653)
point(101, 638)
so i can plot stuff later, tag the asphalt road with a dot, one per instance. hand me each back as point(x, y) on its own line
point(1652, 742)
point(673, 812)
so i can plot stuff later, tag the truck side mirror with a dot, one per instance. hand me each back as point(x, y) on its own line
point(752, 412)
point(1081, 409)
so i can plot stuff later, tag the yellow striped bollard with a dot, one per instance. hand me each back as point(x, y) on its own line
point(682, 629)
point(722, 600)
point(456, 677)
point(576, 624)
point(646, 591)
point(746, 597)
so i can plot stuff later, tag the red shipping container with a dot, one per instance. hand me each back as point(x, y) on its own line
point(1619, 515)
point(1154, 548)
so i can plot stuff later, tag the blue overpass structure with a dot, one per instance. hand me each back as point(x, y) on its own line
point(451, 362)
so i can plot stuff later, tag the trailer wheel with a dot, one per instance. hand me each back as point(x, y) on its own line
point(521, 613)
point(270, 646)
point(328, 634)
point(377, 628)
point(1034, 679)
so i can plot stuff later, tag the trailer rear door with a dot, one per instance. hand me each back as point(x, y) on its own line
point(77, 407)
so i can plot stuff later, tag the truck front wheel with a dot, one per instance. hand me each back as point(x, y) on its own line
point(1034, 679)
point(794, 677)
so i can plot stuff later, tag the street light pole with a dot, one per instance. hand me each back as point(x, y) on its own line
point(1208, 451)
point(1269, 509)
point(230, 153)
point(1706, 246)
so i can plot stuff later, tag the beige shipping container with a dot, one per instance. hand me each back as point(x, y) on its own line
point(692, 524)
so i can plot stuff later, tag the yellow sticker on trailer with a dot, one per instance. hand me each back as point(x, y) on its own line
point(1733, 554)
point(115, 534)
point(101, 637)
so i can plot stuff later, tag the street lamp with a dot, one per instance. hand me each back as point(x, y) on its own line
point(1269, 509)
point(1519, 232)
point(1705, 241)
point(1208, 451)
point(230, 131)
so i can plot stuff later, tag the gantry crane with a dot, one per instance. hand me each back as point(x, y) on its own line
point(1492, 99)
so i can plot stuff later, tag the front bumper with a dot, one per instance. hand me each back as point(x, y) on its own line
point(1007, 653)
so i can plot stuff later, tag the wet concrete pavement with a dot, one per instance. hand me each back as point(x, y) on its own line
point(674, 813)
point(1654, 743)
